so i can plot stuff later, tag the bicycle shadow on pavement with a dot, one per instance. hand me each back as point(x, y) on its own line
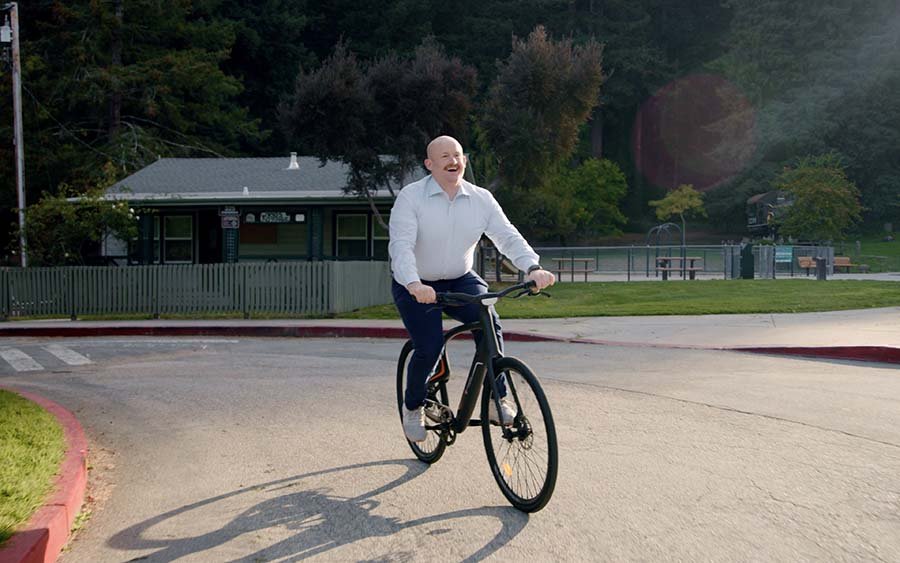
point(315, 521)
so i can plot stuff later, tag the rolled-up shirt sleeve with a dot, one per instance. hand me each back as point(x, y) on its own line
point(403, 229)
point(507, 238)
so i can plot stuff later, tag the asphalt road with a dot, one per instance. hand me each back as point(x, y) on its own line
point(287, 449)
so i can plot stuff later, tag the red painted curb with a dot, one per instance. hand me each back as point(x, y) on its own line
point(882, 354)
point(263, 331)
point(46, 533)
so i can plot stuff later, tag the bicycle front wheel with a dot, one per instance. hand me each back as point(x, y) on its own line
point(523, 456)
point(434, 445)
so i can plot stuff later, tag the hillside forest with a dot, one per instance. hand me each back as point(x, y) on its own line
point(576, 113)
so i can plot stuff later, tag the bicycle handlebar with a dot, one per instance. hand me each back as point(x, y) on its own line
point(450, 298)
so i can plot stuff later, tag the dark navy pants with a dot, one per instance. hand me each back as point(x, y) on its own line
point(423, 322)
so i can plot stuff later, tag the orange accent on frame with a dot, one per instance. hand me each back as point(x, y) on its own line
point(441, 370)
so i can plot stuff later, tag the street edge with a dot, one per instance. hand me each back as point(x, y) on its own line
point(877, 354)
point(47, 532)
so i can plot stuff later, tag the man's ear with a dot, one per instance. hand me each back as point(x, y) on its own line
point(428, 164)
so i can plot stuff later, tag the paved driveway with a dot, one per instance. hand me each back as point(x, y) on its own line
point(285, 449)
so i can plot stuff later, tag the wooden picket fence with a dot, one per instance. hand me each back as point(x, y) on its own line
point(298, 288)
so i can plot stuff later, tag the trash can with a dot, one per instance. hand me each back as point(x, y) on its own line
point(821, 268)
point(747, 261)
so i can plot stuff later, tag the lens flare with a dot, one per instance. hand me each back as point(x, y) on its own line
point(698, 130)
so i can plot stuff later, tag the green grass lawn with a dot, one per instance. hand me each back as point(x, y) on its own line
point(687, 298)
point(31, 448)
point(700, 297)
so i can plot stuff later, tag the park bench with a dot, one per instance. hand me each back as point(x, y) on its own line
point(689, 264)
point(844, 262)
point(809, 262)
point(573, 265)
point(806, 262)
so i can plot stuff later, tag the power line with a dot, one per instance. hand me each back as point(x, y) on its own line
point(61, 126)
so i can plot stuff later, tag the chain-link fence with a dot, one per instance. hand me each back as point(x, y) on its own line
point(649, 262)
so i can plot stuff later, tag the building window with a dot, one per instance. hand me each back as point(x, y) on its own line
point(351, 236)
point(380, 237)
point(273, 242)
point(178, 243)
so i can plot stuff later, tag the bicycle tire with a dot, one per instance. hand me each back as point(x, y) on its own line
point(434, 445)
point(528, 462)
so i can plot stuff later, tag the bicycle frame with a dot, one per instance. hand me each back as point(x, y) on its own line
point(487, 352)
point(509, 438)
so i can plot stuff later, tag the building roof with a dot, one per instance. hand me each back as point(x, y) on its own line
point(765, 197)
point(241, 179)
point(756, 198)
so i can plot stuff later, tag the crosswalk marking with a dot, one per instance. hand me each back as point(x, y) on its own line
point(67, 355)
point(19, 360)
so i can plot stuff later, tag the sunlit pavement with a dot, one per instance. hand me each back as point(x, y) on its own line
point(286, 449)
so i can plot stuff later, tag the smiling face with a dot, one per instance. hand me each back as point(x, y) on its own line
point(446, 161)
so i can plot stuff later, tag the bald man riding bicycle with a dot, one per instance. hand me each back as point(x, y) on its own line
point(435, 226)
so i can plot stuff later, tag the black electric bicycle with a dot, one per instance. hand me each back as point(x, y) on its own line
point(522, 455)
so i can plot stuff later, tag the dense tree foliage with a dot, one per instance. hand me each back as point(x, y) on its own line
point(123, 82)
point(379, 117)
point(825, 203)
point(578, 203)
point(543, 94)
point(268, 49)
point(62, 230)
point(820, 75)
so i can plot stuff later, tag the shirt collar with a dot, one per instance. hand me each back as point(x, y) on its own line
point(434, 188)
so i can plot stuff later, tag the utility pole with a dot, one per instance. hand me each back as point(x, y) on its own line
point(9, 33)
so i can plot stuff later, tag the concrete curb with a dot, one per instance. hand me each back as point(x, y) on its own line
point(879, 354)
point(48, 530)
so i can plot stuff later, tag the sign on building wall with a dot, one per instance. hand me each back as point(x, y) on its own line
point(230, 218)
point(274, 217)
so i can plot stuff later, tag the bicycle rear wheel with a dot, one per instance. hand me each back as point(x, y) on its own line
point(523, 457)
point(434, 445)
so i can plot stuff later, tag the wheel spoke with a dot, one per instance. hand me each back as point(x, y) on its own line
point(524, 466)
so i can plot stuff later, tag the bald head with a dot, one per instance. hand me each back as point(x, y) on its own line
point(446, 162)
point(441, 143)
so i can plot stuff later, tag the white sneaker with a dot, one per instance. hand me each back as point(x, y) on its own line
point(508, 412)
point(414, 424)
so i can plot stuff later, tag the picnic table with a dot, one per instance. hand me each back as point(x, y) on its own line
point(689, 264)
point(572, 265)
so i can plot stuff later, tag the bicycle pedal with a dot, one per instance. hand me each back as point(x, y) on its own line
point(437, 412)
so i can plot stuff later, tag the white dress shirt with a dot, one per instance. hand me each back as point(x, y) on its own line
point(433, 238)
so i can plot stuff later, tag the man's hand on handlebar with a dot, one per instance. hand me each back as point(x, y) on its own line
point(422, 293)
point(542, 279)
